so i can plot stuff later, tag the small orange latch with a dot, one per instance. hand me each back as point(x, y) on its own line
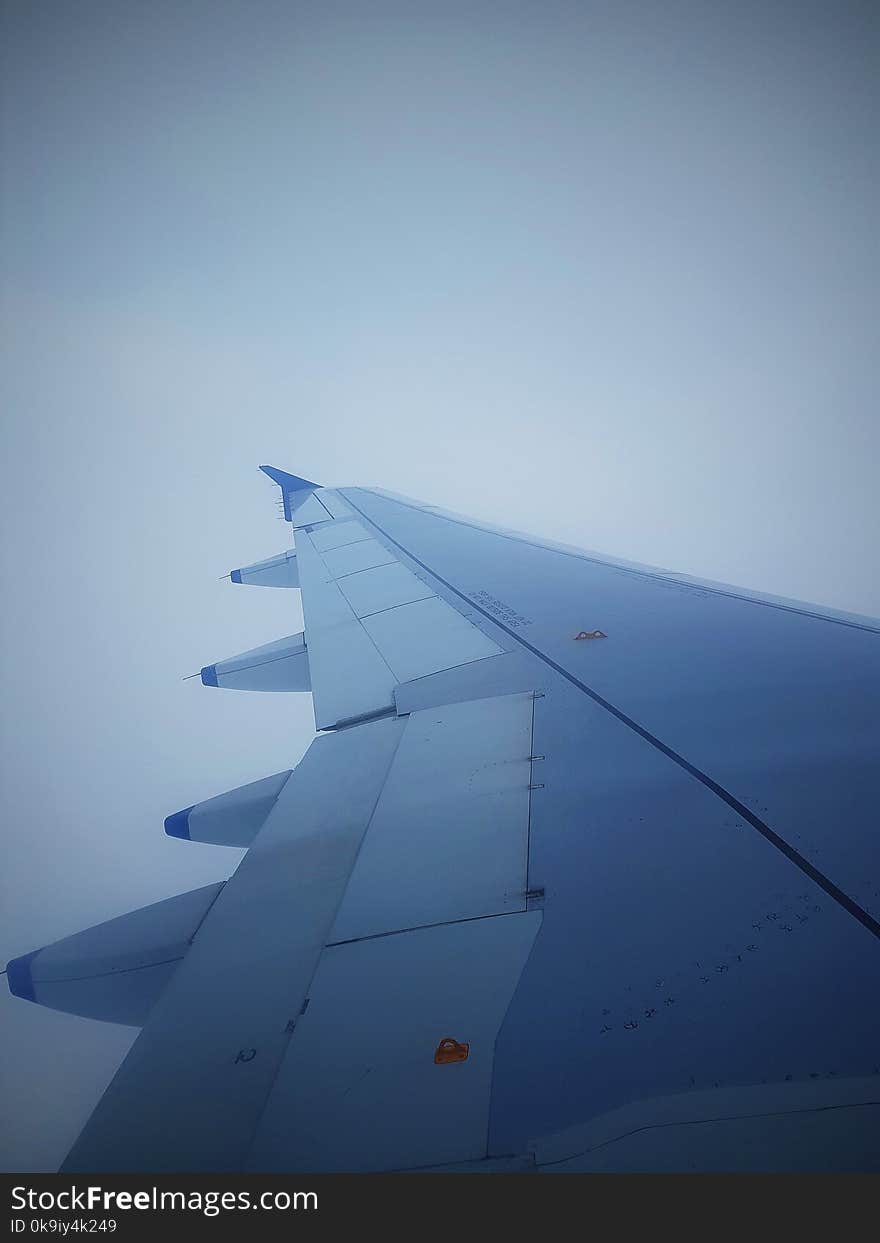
point(591, 634)
point(449, 1050)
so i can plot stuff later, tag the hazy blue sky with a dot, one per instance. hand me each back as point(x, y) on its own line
point(605, 272)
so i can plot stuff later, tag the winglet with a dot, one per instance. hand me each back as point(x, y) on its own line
point(288, 484)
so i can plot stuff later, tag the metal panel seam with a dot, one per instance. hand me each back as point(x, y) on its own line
point(442, 923)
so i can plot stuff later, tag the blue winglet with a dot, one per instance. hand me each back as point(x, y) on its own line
point(236, 576)
point(290, 483)
point(209, 676)
point(19, 978)
point(287, 484)
point(178, 824)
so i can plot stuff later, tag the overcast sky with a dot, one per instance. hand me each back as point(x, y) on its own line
point(601, 271)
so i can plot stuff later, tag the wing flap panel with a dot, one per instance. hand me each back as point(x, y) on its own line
point(352, 558)
point(386, 587)
point(338, 535)
point(449, 838)
point(362, 1057)
point(349, 677)
point(425, 637)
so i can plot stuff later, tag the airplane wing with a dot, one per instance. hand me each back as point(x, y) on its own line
point(583, 854)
